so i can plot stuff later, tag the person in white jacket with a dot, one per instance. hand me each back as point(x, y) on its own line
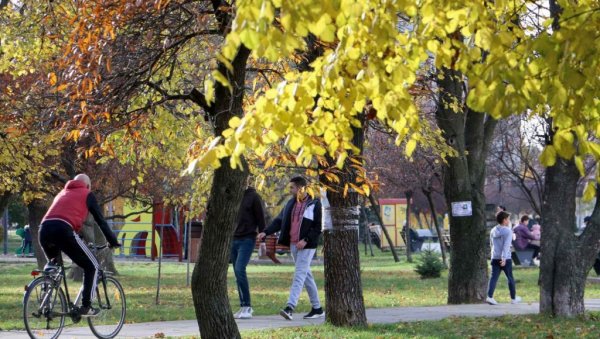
point(500, 238)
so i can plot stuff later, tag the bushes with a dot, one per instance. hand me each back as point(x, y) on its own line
point(430, 265)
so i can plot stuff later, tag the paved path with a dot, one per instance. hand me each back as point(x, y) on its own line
point(380, 315)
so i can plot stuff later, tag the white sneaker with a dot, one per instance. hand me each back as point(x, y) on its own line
point(491, 301)
point(237, 314)
point(516, 300)
point(247, 313)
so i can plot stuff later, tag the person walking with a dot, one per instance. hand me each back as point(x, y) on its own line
point(299, 224)
point(251, 217)
point(500, 238)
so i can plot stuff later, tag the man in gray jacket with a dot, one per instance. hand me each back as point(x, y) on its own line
point(501, 238)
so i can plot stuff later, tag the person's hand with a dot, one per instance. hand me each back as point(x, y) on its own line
point(261, 236)
point(301, 244)
point(502, 262)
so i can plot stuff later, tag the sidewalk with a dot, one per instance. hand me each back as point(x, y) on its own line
point(380, 315)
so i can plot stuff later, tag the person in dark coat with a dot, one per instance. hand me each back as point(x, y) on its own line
point(251, 221)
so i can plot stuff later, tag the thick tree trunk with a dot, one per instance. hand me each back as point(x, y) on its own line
point(209, 279)
point(37, 209)
point(470, 134)
point(343, 285)
point(565, 258)
point(345, 304)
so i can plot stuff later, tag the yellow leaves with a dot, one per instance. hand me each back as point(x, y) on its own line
point(484, 38)
point(410, 147)
point(589, 193)
point(579, 164)
point(324, 28)
point(563, 143)
point(548, 156)
point(218, 76)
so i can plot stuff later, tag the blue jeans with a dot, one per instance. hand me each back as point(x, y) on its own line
point(303, 277)
point(241, 251)
point(496, 268)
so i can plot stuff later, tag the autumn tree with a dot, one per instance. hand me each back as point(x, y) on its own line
point(491, 60)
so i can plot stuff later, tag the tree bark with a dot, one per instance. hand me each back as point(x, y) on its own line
point(565, 258)
point(209, 278)
point(470, 134)
point(407, 236)
point(438, 230)
point(345, 304)
point(4, 198)
point(565, 263)
point(37, 210)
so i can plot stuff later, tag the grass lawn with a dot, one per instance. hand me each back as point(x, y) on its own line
point(524, 326)
point(385, 284)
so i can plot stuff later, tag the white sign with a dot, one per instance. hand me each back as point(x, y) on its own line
point(462, 209)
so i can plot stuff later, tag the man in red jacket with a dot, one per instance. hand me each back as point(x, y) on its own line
point(59, 228)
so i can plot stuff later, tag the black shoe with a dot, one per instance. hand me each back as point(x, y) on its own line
point(287, 313)
point(315, 313)
point(89, 311)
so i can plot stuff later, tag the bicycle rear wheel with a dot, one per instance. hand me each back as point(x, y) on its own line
point(44, 309)
point(112, 305)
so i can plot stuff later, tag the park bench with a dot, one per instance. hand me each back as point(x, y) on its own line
point(273, 248)
point(522, 257)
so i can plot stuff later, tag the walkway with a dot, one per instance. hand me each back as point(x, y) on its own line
point(380, 315)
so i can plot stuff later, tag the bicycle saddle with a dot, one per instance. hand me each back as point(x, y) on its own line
point(51, 268)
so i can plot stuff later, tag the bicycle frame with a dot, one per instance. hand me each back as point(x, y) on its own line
point(58, 280)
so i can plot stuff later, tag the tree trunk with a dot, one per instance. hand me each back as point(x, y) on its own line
point(565, 258)
point(470, 134)
point(343, 286)
point(209, 278)
point(4, 198)
point(562, 278)
point(438, 230)
point(407, 236)
point(37, 210)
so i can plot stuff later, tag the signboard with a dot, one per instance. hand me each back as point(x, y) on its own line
point(462, 209)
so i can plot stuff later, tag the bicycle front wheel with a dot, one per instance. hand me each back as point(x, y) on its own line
point(44, 309)
point(111, 302)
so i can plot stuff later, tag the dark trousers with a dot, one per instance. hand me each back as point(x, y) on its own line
point(56, 236)
point(535, 248)
point(241, 251)
point(496, 269)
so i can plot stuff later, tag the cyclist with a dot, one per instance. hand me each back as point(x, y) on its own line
point(59, 228)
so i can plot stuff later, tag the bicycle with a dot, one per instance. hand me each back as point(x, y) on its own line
point(46, 304)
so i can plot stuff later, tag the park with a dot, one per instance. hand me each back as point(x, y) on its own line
point(394, 156)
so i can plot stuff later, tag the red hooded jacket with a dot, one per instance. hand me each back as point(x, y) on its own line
point(70, 205)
